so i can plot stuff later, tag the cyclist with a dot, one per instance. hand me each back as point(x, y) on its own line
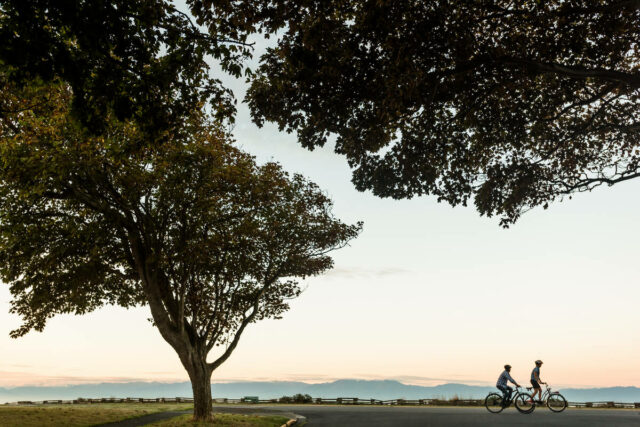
point(502, 384)
point(535, 382)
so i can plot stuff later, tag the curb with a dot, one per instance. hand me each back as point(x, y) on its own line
point(295, 420)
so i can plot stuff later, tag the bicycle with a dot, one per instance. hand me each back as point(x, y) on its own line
point(494, 402)
point(553, 399)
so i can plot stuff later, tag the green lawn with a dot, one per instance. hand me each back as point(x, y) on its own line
point(80, 415)
point(226, 420)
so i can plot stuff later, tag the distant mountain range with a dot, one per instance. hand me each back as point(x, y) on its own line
point(386, 389)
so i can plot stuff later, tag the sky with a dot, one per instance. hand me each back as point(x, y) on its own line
point(427, 294)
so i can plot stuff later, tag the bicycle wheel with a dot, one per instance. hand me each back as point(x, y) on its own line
point(524, 403)
point(557, 402)
point(493, 403)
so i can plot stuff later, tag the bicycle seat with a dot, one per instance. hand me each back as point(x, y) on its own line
point(529, 388)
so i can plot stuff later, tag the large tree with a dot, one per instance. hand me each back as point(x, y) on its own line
point(510, 104)
point(193, 228)
point(133, 59)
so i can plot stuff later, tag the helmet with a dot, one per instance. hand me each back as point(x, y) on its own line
point(507, 366)
point(538, 362)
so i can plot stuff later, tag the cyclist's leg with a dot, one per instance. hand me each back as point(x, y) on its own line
point(506, 394)
point(536, 390)
point(503, 390)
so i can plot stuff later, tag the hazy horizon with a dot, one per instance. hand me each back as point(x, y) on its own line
point(365, 389)
point(124, 381)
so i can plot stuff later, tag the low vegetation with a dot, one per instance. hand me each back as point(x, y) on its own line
point(80, 415)
point(296, 398)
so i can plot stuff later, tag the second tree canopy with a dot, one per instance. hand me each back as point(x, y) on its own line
point(507, 104)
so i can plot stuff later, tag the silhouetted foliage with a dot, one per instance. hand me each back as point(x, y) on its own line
point(507, 104)
point(302, 398)
point(510, 104)
point(140, 59)
point(296, 398)
point(193, 228)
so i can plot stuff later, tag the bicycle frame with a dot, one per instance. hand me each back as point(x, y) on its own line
point(518, 398)
point(548, 393)
point(514, 394)
point(544, 395)
point(553, 398)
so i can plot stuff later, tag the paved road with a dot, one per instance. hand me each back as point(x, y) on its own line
point(356, 416)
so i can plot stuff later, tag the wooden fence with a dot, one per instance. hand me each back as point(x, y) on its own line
point(322, 401)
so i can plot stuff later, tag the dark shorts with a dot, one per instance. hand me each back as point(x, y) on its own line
point(535, 384)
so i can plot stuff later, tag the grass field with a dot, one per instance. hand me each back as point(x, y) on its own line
point(226, 420)
point(80, 415)
point(90, 415)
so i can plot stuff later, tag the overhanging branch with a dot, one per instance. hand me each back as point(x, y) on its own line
point(629, 79)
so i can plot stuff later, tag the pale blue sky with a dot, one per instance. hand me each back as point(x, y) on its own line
point(427, 294)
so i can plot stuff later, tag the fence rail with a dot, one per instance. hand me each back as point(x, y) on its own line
point(319, 400)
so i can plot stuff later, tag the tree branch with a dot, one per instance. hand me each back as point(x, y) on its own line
point(629, 79)
point(590, 183)
point(220, 360)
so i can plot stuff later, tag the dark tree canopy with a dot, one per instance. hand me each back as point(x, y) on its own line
point(509, 104)
point(193, 228)
point(140, 59)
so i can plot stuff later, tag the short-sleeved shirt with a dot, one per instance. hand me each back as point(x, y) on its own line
point(535, 371)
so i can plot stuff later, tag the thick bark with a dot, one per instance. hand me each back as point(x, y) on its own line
point(195, 363)
point(200, 376)
point(192, 353)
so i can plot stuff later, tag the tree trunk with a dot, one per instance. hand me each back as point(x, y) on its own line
point(200, 376)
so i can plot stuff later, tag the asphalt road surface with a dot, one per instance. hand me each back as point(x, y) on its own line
point(377, 416)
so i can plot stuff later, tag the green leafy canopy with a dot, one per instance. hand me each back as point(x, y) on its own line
point(194, 228)
point(144, 60)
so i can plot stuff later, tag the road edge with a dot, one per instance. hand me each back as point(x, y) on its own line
point(298, 419)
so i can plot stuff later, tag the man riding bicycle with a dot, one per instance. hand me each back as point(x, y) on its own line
point(502, 383)
point(535, 382)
